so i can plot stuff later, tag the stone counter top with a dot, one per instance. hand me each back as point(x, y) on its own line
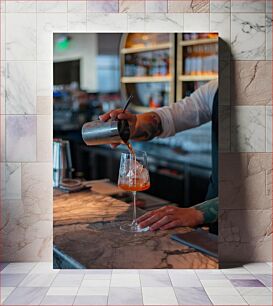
point(86, 228)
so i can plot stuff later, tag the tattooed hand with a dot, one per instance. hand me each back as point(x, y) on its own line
point(142, 127)
point(168, 217)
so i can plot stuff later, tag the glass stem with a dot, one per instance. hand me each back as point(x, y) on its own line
point(134, 208)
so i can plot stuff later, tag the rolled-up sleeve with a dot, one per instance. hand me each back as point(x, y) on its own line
point(190, 112)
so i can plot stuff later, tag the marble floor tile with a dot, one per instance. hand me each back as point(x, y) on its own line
point(129, 280)
point(26, 296)
point(58, 300)
point(266, 279)
point(125, 271)
point(20, 267)
point(258, 299)
point(150, 280)
point(3, 265)
point(221, 291)
point(216, 283)
point(233, 271)
point(86, 291)
point(240, 276)
point(227, 300)
point(67, 280)
point(97, 276)
point(21, 6)
point(62, 291)
point(245, 291)
point(258, 268)
point(195, 22)
point(102, 22)
point(125, 296)
point(185, 280)
point(90, 300)
point(44, 267)
point(159, 296)
point(5, 292)
point(12, 280)
point(72, 271)
point(77, 22)
point(38, 280)
point(96, 283)
point(192, 296)
point(246, 283)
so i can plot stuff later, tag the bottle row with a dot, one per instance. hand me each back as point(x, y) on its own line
point(147, 64)
point(194, 36)
point(200, 60)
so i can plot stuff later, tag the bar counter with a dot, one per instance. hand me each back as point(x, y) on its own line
point(86, 229)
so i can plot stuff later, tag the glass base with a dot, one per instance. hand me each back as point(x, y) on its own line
point(133, 227)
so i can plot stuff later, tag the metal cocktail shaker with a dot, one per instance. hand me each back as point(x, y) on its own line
point(105, 132)
point(62, 164)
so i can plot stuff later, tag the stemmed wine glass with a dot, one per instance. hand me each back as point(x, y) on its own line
point(133, 176)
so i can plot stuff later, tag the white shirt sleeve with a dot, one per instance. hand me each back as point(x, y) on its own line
point(190, 112)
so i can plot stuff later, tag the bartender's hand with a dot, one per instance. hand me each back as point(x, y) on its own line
point(118, 114)
point(168, 217)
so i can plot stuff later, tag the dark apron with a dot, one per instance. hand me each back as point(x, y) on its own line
point(213, 184)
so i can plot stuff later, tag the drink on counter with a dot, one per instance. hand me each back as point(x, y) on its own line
point(133, 176)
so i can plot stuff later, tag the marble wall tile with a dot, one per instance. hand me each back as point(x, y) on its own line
point(224, 128)
point(2, 87)
point(108, 22)
point(11, 181)
point(249, 6)
point(37, 188)
point(196, 22)
point(77, 6)
point(252, 83)
point(47, 23)
point(220, 6)
point(248, 36)
point(170, 22)
point(157, 6)
point(136, 22)
point(248, 129)
point(239, 236)
point(44, 105)
point(131, 6)
point(20, 36)
point(25, 235)
point(20, 138)
point(269, 6)
point(44, 138)
point(188, 6)
point(102, 6)
point(58, 6)
point(3, 6)
point(44, 78)
point(268, 128)
point(220, 23)
point(245, 181)
point(3, 37)
point(20, 87)
point(3, 138)
point(21, 6)
point(77, 22)
point(268, 23)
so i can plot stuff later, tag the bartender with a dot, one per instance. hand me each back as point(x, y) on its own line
point(199, 108)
